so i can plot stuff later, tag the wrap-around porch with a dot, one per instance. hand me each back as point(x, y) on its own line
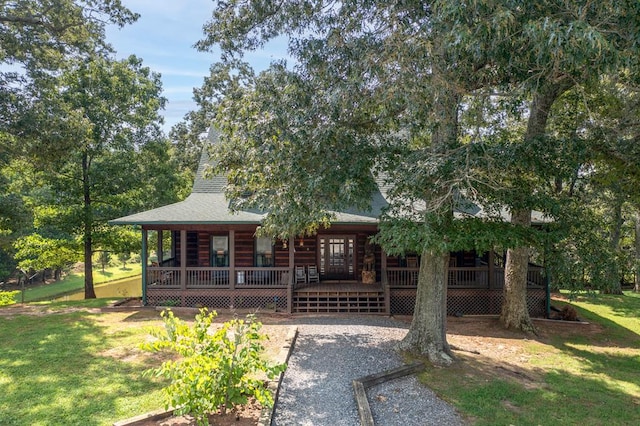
point(232, 269)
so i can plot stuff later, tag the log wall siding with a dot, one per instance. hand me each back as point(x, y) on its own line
point(192, 246)
point(393, 262)
point(204, 249)
point(244, 249)
point(307, 253)
point(304, 255)
point(281, 255)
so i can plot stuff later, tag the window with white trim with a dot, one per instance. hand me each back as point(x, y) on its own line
point(264, 252)
point(220, 251)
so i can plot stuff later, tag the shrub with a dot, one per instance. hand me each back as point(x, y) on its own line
point(216, 371)
point(568, 313)
point(8, 297)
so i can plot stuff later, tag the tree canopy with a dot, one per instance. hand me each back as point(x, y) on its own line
point(440, 102)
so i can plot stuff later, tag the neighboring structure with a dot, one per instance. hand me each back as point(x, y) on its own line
point(209, 256)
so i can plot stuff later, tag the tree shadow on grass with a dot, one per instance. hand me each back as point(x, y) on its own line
point(603, 331)
point(488, 396)
point(621, 305)
point(107, 274)
point(59, 371)
point(594, 381)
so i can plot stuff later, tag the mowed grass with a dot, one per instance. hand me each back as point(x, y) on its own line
point(75, 282)
point(73, 366)
point(69, 363)
point(569, 374)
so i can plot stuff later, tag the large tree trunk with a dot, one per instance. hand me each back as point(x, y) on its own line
point(89, 292)
point(515, 313)
point(613, 285)
point(427, 334)
point(636, 288)
point(514, 306)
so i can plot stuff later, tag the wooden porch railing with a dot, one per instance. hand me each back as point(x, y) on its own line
point(222, 278)
point(256, 277)
point(263, 277)
point(470, 277)
point(163, 277)
point(459, 277)
point(402, 277)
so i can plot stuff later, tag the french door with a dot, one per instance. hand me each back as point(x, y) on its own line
point(337, 257)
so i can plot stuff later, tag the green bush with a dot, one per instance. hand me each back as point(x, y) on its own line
point(217, 369)
point(8, 297)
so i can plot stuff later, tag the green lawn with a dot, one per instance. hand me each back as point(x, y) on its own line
point(81, 367)
point(569, 374)
point(75, 368)
point(75, 282)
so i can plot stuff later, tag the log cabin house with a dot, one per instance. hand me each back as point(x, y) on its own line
point(208, 256)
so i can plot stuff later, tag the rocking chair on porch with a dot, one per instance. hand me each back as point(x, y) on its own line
point(301, 277)
point(313, 275)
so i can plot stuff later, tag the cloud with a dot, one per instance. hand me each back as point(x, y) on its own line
point(164, 36)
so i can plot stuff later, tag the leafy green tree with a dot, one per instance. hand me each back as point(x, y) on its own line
point(542, 59)
point(600, 121)
point(107, 119)
point(38, 38)
point(14, 217)
point(38, 253)
point(381, 86)
point(374, 92)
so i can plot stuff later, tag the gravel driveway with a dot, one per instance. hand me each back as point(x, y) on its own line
point(331, 352)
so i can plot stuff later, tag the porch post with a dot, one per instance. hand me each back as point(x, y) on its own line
point(183, 262)
point(292, 259)
point(144, 260)
point(383, 266)
point(160, 249)
point(385, 282)
point(492, 277)
point(232, 259)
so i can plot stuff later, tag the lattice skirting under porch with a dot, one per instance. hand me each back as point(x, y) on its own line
point(468, 301)
point(401, 300)
point(273, 299)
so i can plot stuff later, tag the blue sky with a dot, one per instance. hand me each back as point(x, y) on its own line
point(164, 37)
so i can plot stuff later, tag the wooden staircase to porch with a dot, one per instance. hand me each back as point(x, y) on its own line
point(342, 297)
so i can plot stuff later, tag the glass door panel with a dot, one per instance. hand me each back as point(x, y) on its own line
point(337, 257)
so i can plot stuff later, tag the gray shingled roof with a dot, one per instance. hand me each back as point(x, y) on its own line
point(208, 205)
point(214, 184)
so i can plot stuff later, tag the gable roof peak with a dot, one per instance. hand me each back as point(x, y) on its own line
point(214, 184)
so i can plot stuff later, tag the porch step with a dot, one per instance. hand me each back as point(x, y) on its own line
point(339, 301)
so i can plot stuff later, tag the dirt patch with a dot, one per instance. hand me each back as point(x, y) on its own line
point(247, 415)
point(36, 310)
point(487, 350)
